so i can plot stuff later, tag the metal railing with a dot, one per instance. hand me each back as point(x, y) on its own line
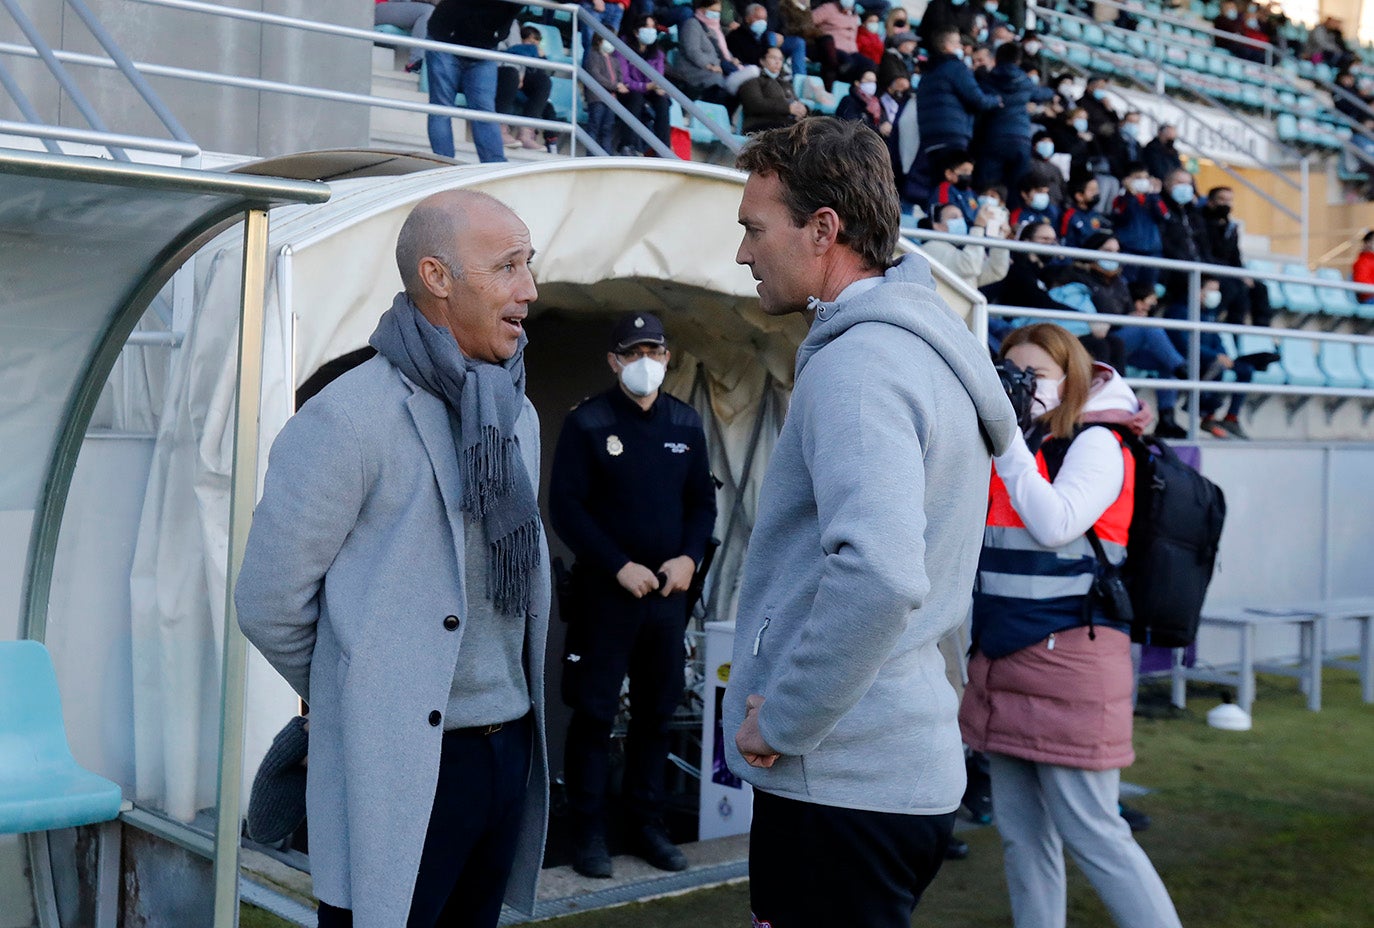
point(99, 134)
point(1193, 384)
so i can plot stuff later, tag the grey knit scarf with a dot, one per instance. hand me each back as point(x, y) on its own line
point(483, 401)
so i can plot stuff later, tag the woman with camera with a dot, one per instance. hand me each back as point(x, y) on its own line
point(1050, 679)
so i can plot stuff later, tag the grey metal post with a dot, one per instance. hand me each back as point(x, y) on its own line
point(1194, 351)
point(576, 44)
point(234, 684)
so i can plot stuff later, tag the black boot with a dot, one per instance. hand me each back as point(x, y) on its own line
point(1166, 427)
point(590, 854)
point(651, 842)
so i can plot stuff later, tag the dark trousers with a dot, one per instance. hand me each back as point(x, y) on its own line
point(1003, 161)
point(836, 64)
point(618, 635)
point(535, 92)
point(649, 108)
point(815, 866)
point(473, 827)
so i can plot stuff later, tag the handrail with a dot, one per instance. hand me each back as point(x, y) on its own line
point(26, 109)
point(64, 79)
point(126, 67)
point(46, 133)
point(318, 93)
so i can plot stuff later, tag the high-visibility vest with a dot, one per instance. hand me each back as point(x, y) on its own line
point(1025, 591)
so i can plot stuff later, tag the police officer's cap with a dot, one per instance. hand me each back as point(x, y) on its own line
point(637, 329)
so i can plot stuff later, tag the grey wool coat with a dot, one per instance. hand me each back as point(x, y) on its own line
point(354, 561)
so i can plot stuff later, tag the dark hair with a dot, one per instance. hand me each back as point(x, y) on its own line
point(1042, 134)
point(1028, 230)
point(1038, 176)
point(1078, 183)
point(1142, 290)
point(703, 4)
point(937, 41)
point(1066, 351)
point(1368, 237)
point(951, 158)
point(529, 32)
point(999, 189)
point(822, 161)
point(1134, 167)
point(1008, 53)
point(1211, 194)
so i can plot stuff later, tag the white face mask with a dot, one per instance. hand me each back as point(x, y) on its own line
point(868, 87)
point(644, 376)
point(1047, 393)
point(607, 47)
point(1140, 185)
point(1211, 299)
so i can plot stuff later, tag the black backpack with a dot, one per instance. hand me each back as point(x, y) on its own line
point(1175, 529)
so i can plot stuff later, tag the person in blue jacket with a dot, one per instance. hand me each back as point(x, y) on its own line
point(1035, 197)
point(947, 99)
point(956, 187)
point(1004, 140)
point(1082, 219)
point(1138, 216)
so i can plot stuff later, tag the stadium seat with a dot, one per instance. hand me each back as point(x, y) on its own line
point(1300, 298)
point(1364, 356)
point(561, 97)
point(1299, 358)
point(718, 114)
point(1336, 302)
point(1338, 363)
point(552, 42)
point(1260, 344)
point(1276, 300)
point(41, 786)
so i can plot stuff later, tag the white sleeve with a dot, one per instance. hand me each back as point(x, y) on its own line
point(1089, 481)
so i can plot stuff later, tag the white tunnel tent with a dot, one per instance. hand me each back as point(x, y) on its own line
point(611, 236)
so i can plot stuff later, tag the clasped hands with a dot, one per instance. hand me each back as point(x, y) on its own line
point(640, 581)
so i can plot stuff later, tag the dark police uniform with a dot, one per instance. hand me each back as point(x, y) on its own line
point(627, 486)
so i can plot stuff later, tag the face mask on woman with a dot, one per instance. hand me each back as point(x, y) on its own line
point(1140, 185)
point(868, 88)
point(643, 376)
point(607, 47)
point(1181, 193)
point(956, 226)
point(647, 35)
point(846, 5)
point(1032, 48)
point(1044, 148)
point(1211, 299)
point(759, 27)
point(1109, 265)
point(1130, 130)
point(1047, 394)
point(713, 15)
point(875, 28)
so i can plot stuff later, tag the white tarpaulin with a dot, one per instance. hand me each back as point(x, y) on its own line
point(612, 235)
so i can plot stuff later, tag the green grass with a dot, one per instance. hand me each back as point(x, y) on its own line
point(1272, 827)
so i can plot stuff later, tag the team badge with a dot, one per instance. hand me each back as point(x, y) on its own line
point(614, 446)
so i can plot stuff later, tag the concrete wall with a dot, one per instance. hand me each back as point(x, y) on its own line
point(222, 119)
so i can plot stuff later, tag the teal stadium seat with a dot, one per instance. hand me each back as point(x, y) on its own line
point(1364, 357)
point(1336, 302)
point(1276, 300)
point(561, 97)
point(1261, 344)
point(552, 42)
point(1338, 363)
point(1300, 362)
point(1300, 298)
point(41, 786)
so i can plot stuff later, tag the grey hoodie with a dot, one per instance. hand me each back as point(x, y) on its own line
point(863, 553)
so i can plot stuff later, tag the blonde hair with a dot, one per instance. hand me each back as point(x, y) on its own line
point(1068, 352)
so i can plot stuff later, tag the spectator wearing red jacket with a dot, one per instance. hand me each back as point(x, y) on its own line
point(1364, 266)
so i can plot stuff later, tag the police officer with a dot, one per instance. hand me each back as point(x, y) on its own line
point(632, 495)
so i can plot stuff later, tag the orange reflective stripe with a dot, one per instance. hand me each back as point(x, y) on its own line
point(1114, 525)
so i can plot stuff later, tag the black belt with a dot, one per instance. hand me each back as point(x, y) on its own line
point(480, 730)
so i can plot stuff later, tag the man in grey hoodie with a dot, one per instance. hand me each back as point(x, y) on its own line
point(869, 527)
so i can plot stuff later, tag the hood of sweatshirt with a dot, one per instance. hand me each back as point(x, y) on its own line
point(906, 298)
point(1111, 400)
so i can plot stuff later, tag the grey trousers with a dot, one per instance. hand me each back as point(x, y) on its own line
point(404, 14)
point(1040, 809)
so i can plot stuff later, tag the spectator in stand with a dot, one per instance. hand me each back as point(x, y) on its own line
point(1124, 147)
point(1242, 299)
point(899, 58)
point(1094, 285)
point(1326, 45)
point(992, 14)
point(1363, 271)
point(1031, 47)
point(1252, 49)
point(1215, 363)
point(535, 85)
point(943, 16)
point(1037, 205)
point(870, 36)
point(795, 17)
point(1002, 33)
point(896, 21)
point(1094, 102)
point(1182, 236)
point(412, 16)
point(861, 105)
point(1024, 284)
point(1082, 219)
point(1005, 134)
point(837, 48)
point(1138, 220)
point(947, 98)
point(976, 265)
point(608, 12)
point(982, 61)
point(643, 96)
point(1228, 21)
point(956, 189)
point(1160, 157)
point(754, 37)
point(1350, 103)
point(1043, 162)
point(705, 68)
point(1079, 143)
point(768, 100)
point(603, 68)
point(478, 24)
point(894, 94)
